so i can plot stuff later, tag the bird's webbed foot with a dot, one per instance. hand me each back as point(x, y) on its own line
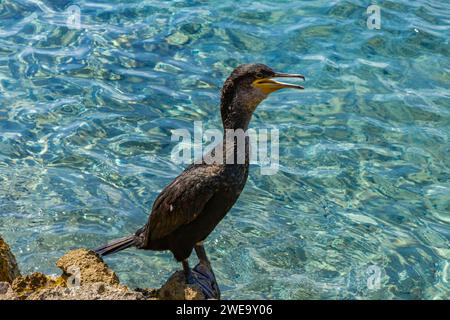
point(205, 278)
point(202, 276)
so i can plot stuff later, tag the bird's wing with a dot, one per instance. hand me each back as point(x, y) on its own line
point(181, 201)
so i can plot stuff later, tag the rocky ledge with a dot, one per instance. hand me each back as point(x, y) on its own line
point(85, 276)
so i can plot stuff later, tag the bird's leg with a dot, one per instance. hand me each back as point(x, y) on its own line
point(201, 254)
point(207, 279)
point(187, 271)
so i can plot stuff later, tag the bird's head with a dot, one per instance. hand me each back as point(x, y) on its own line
point(246, 87)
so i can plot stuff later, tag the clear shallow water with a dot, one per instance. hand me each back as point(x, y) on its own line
point(86, 115)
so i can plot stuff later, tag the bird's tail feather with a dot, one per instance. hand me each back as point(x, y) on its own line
point(116, 246)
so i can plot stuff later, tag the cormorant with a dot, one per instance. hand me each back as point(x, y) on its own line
point(192, 205)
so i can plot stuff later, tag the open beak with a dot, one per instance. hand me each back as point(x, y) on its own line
point(268, 85)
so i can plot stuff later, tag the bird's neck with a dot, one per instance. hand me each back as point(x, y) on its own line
point(235, 120)
point(235, 116)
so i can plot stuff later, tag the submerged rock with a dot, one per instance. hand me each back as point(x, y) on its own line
point(85, 276)
point(178, 38)
point(8, 265)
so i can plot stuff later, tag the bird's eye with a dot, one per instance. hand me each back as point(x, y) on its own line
point(259, 75)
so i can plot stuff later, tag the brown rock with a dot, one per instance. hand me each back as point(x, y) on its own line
point(85, 277)
point(8, 265)
point(4, 287)
point(23, 286)
point(176, 289)
point(86, 266)
point(6, 292)
point(89, 291)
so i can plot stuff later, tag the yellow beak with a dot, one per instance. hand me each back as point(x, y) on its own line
point(268, 85)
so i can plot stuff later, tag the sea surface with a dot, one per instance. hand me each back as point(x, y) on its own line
point(360, 205)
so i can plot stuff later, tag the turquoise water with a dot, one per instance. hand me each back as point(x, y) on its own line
point(363, 189)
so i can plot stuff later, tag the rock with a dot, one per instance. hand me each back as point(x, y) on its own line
point(8, 265)
point(23, 286)
point(178, 38)
point(176, 289)
point(85, 276)
point(90, 291)
point(6, 292)
point(4, 287)
point(86, 266)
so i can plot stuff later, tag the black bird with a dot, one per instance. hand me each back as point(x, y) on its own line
point(190, 207)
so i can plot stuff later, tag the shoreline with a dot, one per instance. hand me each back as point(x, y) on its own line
point(85, 276)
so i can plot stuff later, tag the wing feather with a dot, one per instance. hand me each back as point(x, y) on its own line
point(181, 202)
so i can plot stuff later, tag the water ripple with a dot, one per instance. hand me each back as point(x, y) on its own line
point(86, 116)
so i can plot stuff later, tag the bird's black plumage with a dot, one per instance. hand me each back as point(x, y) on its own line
point(191, 206)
